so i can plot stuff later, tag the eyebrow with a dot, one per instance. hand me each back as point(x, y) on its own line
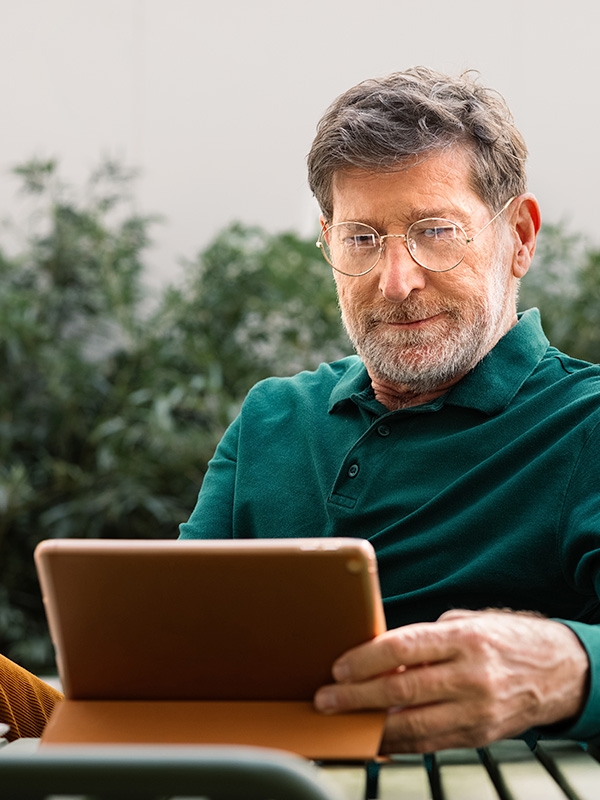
point(445, 212)
point(414, 215)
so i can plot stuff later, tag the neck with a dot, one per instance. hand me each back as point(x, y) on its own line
point(395, 397)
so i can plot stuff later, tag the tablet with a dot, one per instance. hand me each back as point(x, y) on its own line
point(208, 641)
point(207, 620)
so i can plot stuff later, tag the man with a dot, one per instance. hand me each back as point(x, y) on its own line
point(457, 441)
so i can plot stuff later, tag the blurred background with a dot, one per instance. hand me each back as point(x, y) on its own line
point(216, 103)
point(157, 234)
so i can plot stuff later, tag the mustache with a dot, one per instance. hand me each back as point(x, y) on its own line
point(409, 311)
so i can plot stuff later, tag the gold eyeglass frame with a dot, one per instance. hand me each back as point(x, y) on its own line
point(406, 236)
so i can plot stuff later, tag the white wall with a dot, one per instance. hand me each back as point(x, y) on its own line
point(217, 102)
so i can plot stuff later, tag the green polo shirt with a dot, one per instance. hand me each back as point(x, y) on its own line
point(487, 496)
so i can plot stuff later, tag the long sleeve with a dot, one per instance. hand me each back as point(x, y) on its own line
point(212, 517)
point(26, 702)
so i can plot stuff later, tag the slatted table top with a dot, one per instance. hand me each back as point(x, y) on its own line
point(506, 770)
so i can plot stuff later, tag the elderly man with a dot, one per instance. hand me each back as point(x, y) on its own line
point(457, 441)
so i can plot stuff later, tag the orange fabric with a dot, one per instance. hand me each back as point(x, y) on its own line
point(26, 702)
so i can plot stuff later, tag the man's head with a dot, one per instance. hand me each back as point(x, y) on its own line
point(384, 123)
point(419, 152)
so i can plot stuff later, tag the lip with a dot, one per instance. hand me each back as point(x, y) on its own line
point(416, 323)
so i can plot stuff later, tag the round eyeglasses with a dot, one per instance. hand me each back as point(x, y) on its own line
point(436, 244)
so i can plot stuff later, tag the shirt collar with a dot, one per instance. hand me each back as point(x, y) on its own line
point(493, 383)
point(354, 385)
point(489, 387)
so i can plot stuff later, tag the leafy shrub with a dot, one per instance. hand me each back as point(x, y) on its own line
point(109, 413)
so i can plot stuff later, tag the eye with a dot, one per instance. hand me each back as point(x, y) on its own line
point(435, 232)
point(441, 233)
point(361, 241)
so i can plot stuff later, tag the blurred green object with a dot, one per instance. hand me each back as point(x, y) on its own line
point(111, 405)
point(564, 283)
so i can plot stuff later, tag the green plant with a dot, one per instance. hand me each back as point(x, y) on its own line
point(109, 413)
point(564, 283)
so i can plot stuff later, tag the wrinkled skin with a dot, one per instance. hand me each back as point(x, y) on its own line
point(470, 678)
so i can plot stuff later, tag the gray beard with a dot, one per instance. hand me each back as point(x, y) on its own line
point(421, 366)
point(422, 361)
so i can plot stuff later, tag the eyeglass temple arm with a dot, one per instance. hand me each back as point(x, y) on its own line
point(487, 224)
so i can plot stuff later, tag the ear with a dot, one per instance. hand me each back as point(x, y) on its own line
point(323, 222)
point(526, 220)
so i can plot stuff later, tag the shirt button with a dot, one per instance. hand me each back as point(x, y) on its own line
point(353, 470)
point(383, 430)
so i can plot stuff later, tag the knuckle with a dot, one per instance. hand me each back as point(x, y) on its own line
point(394, 648)
point(400, 688)
point(486, 719)
point(474, 636)
point(485, 692)
point(407, 733)
point(418, 730)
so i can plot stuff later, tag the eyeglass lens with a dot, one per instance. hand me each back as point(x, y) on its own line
point(354, 248)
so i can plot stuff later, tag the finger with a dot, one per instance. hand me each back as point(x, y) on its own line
point(427, 642)
point(429, 728)
point(457, 613)
point(460, 723)
point(402, 688)
point(427, 715)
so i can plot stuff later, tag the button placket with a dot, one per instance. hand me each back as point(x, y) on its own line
point(350, 481)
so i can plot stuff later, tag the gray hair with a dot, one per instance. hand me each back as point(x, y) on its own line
point(382, 123)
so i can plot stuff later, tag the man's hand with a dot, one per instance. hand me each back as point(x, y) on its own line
point(466, 680)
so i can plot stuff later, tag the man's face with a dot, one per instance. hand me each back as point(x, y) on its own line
point(413, 328)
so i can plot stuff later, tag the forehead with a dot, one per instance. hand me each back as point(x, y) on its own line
point(437, 184)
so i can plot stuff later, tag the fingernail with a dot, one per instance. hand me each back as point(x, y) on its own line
point(325, 700)
point(341, 672)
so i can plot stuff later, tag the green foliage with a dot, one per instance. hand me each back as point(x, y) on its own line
point(109, 412)
point(108, 415)
point(263, 305)
point(564, 283)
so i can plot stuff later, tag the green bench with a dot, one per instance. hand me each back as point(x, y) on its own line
point(503, 771)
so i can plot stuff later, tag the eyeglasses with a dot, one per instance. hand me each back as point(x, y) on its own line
point(436, 244)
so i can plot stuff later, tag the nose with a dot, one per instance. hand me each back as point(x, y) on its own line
point(399, 275)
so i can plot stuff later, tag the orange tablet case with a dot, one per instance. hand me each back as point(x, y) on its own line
point(220, 642)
